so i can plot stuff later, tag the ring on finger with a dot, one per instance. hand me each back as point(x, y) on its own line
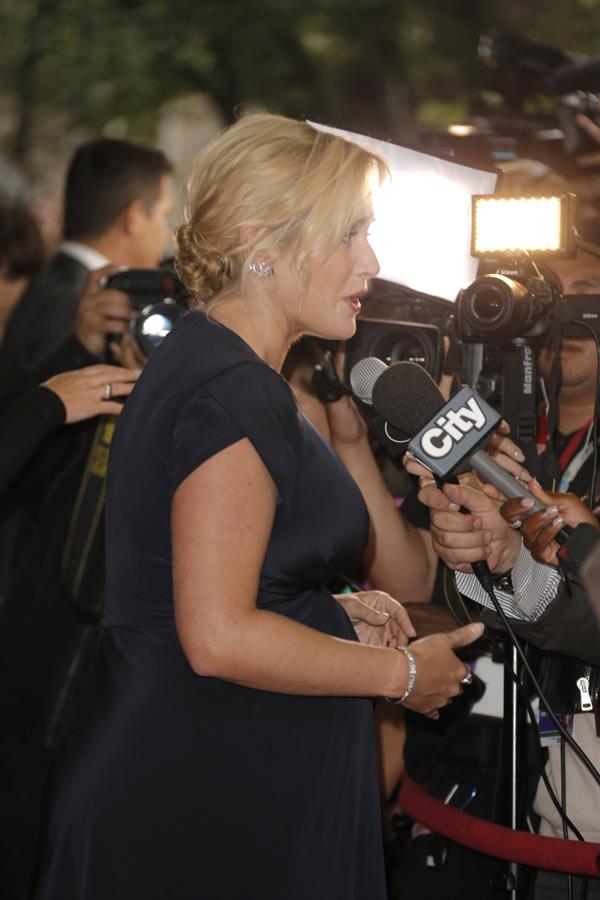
point(468, 678)
point(108, 391)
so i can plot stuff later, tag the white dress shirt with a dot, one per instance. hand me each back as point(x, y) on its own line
point(87, 256)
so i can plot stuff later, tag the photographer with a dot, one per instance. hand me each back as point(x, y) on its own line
point(47, 639)
point(117, 200)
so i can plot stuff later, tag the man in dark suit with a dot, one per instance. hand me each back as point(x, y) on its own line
point(117, 201)
point(118, 197)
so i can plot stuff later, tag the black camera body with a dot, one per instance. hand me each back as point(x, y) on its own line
point(393, 341)
point(159, 299)
point(402, 325)
point(521, 303)
point(515, 302)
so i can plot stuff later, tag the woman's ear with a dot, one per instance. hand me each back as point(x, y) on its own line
point(247, 239)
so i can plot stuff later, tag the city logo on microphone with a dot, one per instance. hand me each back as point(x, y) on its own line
point(462, 426)
point(451, 428)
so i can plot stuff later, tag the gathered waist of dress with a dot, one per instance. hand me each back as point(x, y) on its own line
point(288, 601)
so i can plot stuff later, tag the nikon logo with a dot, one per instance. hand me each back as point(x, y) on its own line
point(450, 429)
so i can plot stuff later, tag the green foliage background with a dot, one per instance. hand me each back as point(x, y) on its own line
point(381, 65)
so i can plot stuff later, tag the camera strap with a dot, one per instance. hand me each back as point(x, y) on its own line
point(574, 455)
point(87, 513)
point(519, 407)
point(547, 468)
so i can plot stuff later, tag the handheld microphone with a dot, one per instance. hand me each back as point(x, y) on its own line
point(363, 376)
point(423, 399)
point(448, 438)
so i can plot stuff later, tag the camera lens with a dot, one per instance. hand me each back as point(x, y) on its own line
point(155, 322)
point(495, 306)
point(487, 305)
point(409, 350)
point(397, 345)
point(156, 327)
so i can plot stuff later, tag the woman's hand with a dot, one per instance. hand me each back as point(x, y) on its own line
point(83, 391)
point(440, 672)
point(539, 529)
point(378, 619)
point(346, 425)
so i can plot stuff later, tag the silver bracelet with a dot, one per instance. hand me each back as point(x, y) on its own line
point(412, 677)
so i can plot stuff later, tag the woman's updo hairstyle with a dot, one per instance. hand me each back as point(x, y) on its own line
point(265, 184)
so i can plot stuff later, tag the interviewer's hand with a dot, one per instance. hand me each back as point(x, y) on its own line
point(460, 539)
point(540, 529)
point(439, 670)
point(502, 450)
point(101, 311)
point(82, 391)
point(378, 619)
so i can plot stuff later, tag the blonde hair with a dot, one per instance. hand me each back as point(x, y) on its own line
point(264, 184)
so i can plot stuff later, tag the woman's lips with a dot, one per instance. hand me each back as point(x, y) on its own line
point(354, 302)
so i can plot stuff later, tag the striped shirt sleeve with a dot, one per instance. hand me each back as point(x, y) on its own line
point(535, 584)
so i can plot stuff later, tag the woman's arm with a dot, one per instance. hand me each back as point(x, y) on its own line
point(68, 397)
point(399, 558)
point(222, 517)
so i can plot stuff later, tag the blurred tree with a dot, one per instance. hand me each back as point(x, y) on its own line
point(382, 66)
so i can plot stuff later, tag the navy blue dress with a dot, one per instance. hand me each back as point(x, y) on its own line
point(174, 786)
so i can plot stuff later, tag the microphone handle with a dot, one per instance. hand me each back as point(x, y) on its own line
point(480, 567)
point(508, 485)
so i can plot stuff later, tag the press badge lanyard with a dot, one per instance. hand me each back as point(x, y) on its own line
point(571, 460)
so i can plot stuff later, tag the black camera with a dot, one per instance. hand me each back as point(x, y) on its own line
point(402, 325)
point(393, 342)
point(516, 301)
point(516, 304)
point(159, 299)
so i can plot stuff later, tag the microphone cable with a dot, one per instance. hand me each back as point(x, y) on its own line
point(559, 805)
point(489, 589)
point(532, 718)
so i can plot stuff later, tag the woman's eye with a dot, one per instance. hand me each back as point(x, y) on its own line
point(348, 237)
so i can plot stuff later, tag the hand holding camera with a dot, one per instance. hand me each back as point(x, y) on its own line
point(102, 311)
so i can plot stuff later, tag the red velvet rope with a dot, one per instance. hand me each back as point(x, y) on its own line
point(578, 857)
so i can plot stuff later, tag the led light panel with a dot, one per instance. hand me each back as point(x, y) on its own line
point(538, 225)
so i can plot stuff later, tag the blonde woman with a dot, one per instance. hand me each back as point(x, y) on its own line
point(225, 748)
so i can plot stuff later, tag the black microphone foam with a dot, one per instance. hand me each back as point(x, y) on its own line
point(406, 395)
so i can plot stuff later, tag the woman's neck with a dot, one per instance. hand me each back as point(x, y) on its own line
point(264, 332)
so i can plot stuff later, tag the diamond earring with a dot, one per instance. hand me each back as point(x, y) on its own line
point(262, 269)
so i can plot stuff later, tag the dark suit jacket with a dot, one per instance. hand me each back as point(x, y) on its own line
point(43, 318)
point(45, 644)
